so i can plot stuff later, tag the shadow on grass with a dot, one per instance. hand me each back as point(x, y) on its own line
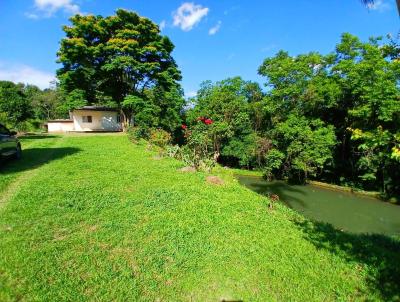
point(379, 254)
point(36, 136)
point(35, 157)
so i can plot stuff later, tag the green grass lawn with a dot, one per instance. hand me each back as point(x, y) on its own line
point(96, 218)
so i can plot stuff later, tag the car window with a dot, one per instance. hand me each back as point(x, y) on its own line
point(4, 130)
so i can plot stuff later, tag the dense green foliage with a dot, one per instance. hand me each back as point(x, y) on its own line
point(227, 104)
point(26, 107)
point(14, 102)
point(122, 61)
point(333, 117)
point(96, 218)
point(354, 91)
point(242, 133)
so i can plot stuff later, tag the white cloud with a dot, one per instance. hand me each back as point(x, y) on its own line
point(188, 15)
point(191, 94)
point(32, 16)
point(47, 8)
point(213, 30)
point(25, 74)
point(379, 5)
point(162, 24)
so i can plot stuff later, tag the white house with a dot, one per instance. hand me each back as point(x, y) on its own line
point(60, 126)
point(88, 119)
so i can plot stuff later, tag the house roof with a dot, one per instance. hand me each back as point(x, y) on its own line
point(96, 108)
point(60, 121)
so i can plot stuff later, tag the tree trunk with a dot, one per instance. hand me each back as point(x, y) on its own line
point(124, 121)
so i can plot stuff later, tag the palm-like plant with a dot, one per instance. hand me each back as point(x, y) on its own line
point(372, 2)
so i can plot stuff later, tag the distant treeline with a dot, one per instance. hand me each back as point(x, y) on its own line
point(26, 107)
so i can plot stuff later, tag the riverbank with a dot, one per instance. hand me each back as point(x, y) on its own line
point(356, 191)
point(342, 209)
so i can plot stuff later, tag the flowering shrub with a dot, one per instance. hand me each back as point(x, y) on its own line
point(156, 137)
point(199, 150)
point(160, 139)
point(205, 121)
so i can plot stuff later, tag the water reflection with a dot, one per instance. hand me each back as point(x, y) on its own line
point(343, 210)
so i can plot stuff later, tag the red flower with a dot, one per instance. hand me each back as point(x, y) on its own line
point(205, 120)
point(208, 121)
point(184, 127)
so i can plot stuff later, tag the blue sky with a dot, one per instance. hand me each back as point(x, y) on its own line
point(213, 39)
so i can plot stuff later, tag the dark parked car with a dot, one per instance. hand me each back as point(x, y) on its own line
point(9, 144)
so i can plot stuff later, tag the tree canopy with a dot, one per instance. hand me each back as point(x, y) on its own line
point(120, 61)
point(355, 91)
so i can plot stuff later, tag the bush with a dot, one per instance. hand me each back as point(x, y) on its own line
point(174, 152)
point(159, 138)
point(198, 160)
point(30, 125)
point(199, 151)
point(135, 134)
point(194, 154)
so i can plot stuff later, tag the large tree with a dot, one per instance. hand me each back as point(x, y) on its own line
point(115, 60)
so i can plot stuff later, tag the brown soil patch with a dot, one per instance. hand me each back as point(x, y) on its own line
point(188, 169)
point(215, 180)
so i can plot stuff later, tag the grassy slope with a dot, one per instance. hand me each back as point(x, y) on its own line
point(34, 146)
point(100, 219)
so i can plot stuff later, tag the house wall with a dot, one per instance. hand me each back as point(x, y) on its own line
point(101, 120)
point(60, 126)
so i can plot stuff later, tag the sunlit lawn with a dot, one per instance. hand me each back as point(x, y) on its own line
point(96, 218)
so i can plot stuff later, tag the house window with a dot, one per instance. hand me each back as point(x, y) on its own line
point(87, 119)
point(118, 118)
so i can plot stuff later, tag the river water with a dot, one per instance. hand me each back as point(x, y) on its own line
point(344, 210)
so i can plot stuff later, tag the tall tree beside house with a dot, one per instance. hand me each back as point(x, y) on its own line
point(117, 60)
